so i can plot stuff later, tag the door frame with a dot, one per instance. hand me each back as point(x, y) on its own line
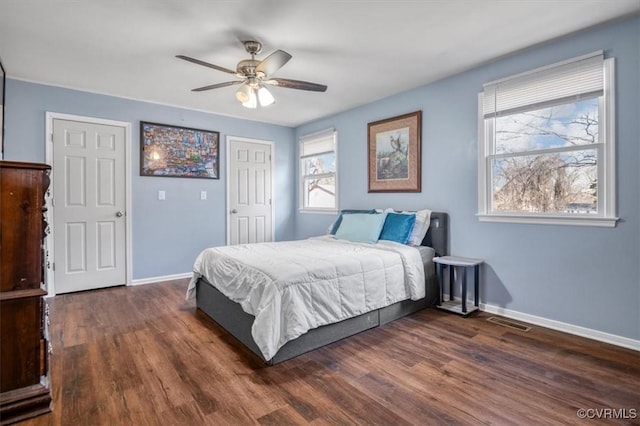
point(229, 141)
point(48, 142)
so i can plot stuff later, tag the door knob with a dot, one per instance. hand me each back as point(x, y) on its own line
point(118, 214)
point(234, 211)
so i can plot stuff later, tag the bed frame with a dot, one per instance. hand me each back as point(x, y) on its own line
point(237, 322)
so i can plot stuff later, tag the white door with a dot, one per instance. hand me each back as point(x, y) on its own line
point(89, 234)
point(249, 203)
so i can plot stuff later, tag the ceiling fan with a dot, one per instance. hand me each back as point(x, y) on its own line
point(255, 74)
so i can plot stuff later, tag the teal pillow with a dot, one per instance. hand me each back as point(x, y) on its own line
point(398, 227)
point(361, 228)
point(335, 225)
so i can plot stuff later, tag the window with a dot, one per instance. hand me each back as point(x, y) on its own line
point(318, 172)
point(546, 152)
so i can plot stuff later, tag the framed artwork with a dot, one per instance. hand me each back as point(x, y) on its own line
point(173, 151)
point(394, 154)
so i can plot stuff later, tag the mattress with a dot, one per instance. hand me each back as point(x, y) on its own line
point(294, 286)
point(427, 254)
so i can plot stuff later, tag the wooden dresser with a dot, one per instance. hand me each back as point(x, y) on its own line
point(24, 349)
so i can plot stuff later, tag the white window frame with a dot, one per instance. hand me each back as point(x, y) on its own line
point(606, 167)
point(310, 138)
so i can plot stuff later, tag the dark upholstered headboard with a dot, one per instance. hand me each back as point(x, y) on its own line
point(438, 233)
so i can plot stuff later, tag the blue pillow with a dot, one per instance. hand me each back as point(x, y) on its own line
point(361, 227)
point(336, 224)
point(398, 227)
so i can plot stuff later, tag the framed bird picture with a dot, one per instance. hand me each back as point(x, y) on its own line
point(394, 153)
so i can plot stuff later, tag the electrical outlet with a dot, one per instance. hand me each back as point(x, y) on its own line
point(203, 195)
point(162, 195)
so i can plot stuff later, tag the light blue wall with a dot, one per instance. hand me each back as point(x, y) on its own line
point(585, 276)
point(167, 235)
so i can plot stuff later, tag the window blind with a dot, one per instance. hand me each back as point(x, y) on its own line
point(575, 79)
point(317, 143)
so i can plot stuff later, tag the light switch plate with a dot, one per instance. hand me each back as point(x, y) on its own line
point(203, 195)
point(162, 195)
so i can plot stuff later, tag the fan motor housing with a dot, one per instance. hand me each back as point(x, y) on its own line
point(247, 67)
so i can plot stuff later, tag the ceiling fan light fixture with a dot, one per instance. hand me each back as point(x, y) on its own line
point(252, 92)
point(243, 95)
point(252, 100)
point(265, 97)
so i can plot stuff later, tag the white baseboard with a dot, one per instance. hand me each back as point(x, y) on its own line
point(600, 336)
point(589, 333)
point(152, 280)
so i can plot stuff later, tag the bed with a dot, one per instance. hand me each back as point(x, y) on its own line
point(232, 315)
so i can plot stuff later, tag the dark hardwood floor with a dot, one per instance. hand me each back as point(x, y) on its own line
point(144, 356)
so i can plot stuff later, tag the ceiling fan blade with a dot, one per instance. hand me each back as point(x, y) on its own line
point(217, 86)
point(296, 84)
point(205, 64)
point(273, 62)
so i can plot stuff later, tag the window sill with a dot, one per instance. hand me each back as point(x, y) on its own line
point(318, 211)
point(607, 222)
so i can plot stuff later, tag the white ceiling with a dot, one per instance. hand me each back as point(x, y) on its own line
point(362, 50)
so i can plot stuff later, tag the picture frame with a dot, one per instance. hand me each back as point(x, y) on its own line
point(394, 154)
point(175, 151)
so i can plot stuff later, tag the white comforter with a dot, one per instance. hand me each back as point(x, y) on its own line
point(294, 286)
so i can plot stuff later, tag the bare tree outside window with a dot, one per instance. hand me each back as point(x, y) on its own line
point(318, 174)
point(545, 161)
point(320, 182)
point(547, 141)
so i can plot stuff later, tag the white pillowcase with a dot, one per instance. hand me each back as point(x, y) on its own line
point(423, 220)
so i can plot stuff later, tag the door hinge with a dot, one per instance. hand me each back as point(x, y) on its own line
point(53, 266)
point(51, 137)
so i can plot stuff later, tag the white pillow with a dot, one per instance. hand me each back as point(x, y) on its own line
point(361, 228)
point(423, 220)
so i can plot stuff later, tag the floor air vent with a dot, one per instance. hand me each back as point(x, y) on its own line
point(508, 323)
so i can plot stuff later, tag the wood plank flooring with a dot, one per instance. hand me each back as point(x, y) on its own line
point(145, 356)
